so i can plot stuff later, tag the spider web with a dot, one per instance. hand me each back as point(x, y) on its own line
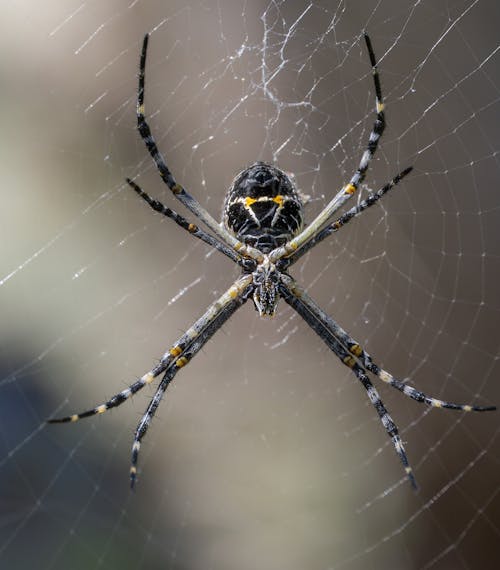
point(266, 452)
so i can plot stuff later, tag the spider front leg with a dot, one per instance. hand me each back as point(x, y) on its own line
point(296, 302)
point(175, 358)
point(354, 348)
point(217, 314)
point(352, 355)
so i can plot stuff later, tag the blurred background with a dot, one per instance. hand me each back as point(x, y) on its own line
point(266, 453)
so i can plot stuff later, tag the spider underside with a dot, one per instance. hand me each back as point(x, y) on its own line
point(263, 232)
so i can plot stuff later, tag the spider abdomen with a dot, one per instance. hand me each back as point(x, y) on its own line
point(262, 207)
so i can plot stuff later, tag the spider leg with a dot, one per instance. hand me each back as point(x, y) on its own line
point(213, 318)
point(209, 325)
point(345, 218)
point(183, 223)
point(321, 328)
point(387, 421)
point(179, 192)
point(349, 189)
point(378, 126)
point(353, 347)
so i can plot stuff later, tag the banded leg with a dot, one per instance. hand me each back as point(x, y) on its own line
point(235, 296)
point(183, 223)
point(345, 218)
point(179, 192)
point(322, 330)
point(353, 347)
point(388, 423)
point(211, 325)
point(113, 402)
point(341, 197)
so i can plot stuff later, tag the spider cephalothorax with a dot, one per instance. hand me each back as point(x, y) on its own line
point(266, 279)
point(263, 234)
point(262, 207)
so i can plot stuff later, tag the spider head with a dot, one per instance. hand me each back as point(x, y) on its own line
point(266, 296)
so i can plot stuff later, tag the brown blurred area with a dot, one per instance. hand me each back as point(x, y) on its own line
point(265, 452)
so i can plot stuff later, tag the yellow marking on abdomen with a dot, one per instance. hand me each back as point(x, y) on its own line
point(101, 409)
point(350, 189)
point(467, 408)
point(177, 188)
point(249, 201)
point(175, 351)
point(380, 106)
point(74, 418)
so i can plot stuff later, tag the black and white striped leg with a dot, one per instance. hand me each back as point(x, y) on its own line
point(179, 192)
point(378, 126)
point(211, 326)
point(415, 394)
point(113, 402)
point(354, 348)
point(345, 218)
point(150, 143)
point(235, 296)
point(385, 418)
point(323, 331)
point(349, 189)
point(193, 229)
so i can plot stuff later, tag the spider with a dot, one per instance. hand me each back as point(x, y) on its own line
point(263, 232)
